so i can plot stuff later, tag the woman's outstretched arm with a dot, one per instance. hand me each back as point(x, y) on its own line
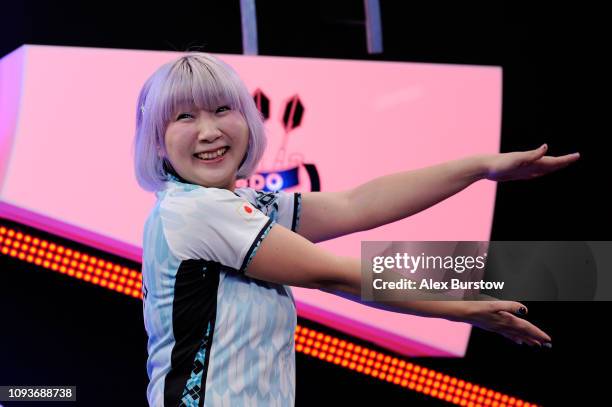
point(284, 257)
point(389, 198)
point(492, 315)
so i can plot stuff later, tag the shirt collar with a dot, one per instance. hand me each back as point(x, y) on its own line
point(172, 177)
point(174, 182)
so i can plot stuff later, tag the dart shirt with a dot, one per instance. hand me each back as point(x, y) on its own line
point(216, 336)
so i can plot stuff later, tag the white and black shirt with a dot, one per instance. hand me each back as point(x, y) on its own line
point(216, 336)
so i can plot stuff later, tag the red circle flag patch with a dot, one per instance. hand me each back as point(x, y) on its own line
point(246, 210)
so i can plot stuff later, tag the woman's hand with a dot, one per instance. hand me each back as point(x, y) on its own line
point(500, 317)
point(524, 164)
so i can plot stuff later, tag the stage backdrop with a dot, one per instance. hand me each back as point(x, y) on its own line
point(67, 119)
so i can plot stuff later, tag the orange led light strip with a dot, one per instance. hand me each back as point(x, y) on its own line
point(397, 371)
point(70, 262)
point(325, 347)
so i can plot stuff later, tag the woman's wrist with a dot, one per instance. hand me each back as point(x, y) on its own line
point(459, 311)
point(456, 311)
point(480, 164)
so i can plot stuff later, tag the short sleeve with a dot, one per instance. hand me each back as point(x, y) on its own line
point(282, 207)
point(213, 224)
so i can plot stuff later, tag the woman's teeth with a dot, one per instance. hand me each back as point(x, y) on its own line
point(213, 155)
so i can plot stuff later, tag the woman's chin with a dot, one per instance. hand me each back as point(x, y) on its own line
point(213, 182)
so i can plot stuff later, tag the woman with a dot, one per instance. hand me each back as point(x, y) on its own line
point(218, 261)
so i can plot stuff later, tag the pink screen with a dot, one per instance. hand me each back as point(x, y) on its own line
point(67, 126)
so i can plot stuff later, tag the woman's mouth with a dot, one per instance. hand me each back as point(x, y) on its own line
point(212, 157)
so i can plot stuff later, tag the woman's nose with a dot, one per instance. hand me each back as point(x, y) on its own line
point(208, 137)
point(208, 131)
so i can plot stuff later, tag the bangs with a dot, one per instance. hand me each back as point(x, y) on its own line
point(192, 84)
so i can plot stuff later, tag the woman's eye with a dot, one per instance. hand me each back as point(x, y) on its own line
point(224, 107)
point(180, 116)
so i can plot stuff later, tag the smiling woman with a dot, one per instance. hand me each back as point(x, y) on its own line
point(218, 260)
point(214, 332)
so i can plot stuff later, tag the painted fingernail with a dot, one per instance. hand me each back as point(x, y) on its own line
point(548, 345)
point(522, 311)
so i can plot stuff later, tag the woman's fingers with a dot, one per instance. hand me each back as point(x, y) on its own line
point(546, 165)
point(526, 164)
point(503, 317)
point(522, 340)
point(515, 328)
point(555, 163)
point(526, 329)
point(512, 307)
point(513, 338)
point(516, 339)
point(538, 152)
point(532, 342)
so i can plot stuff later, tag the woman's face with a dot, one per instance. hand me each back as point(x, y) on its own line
point(192, 131)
